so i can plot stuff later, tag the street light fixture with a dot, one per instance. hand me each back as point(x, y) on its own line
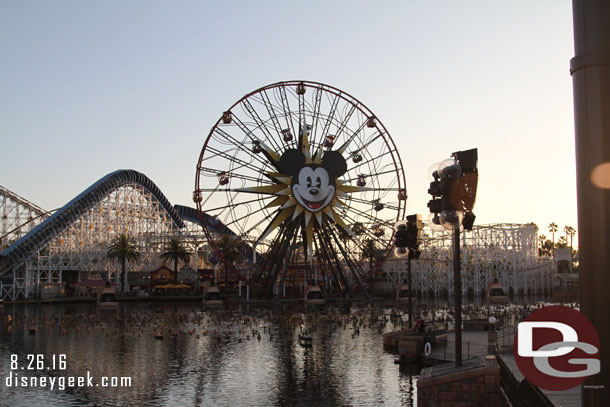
point(453, 189)
point(407, 241)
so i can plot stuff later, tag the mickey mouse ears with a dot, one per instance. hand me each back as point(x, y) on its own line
point(293, 160)
point(334, 163)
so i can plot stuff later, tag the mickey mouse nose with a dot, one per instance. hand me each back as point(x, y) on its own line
point(314, 191)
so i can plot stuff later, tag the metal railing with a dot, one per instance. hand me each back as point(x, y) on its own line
point(445, 349)
point(506, 337)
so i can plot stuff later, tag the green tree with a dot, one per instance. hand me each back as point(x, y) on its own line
point(175, 250)
point(123, 248)
point(228, 247)
point(553, 229)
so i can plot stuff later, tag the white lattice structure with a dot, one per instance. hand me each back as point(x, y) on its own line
point(506, 252)
point(18, 217)
point(82, 247)
point(75, 239)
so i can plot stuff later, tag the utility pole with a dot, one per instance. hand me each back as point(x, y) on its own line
point(410, 290)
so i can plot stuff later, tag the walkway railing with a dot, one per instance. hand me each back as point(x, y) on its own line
point(445, 349)
point(506, 337)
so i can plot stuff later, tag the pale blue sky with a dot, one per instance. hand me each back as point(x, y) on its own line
point(87, 87)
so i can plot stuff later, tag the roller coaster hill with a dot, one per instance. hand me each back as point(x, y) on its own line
point(42, 249)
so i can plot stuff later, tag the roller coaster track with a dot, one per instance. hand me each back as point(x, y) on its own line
point(190, 214)
point(54, 225)
point(18, 216)
point(22, 201)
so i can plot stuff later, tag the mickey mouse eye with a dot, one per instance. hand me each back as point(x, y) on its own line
point(308, 182)
point(318, 182)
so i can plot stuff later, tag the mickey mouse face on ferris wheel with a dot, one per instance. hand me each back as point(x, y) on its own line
point(313, 185)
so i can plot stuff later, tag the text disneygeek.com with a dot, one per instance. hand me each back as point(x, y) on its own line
point(63, 382)
point(37, 362)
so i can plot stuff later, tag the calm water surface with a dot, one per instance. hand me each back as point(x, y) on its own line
point(210, 357)
point(214, 357)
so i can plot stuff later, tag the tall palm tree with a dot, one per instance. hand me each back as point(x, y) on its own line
point(228, 247)
point(553, 229)
point(123, 248)
point(371, 252)
point(358, 228)
point(569, 231)
point(175, 250)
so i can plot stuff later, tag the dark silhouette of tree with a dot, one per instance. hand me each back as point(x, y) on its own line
point(546, 247)
point(123, 248)
point(358, 228)
point(175, 250)
point(228, 247)
point(553, 229)
point(371, 252)
point(562, 242)
point(570, 231)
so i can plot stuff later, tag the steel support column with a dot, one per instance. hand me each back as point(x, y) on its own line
point(590, 70)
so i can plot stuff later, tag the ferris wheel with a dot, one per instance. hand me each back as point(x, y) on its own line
point(305, 175)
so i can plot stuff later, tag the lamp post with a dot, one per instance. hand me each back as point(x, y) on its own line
point(408, 236)
point(453, 189)
point(492, 336)
point(457, 296)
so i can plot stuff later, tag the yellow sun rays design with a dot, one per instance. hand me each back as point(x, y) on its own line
point(288, 207)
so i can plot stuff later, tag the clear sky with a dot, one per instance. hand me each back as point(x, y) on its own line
point(88, 87)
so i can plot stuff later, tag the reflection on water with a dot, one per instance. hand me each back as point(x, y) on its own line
point(237, 356)
point(208, 357)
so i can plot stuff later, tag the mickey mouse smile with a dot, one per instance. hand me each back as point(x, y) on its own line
point(311, 205)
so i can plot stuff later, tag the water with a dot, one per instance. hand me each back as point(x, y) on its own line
point(204, 359)
point(212, 357)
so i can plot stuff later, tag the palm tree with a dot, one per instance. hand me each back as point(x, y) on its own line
point(123, 248)
point(541, 239)
point(553, 229)
point(569, 231)
point(227, 245)
point(358, 228)
point(546, 247)
point(175, 250)
point(371, 252)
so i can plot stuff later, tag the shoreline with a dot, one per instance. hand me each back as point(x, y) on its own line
point(155, 298)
